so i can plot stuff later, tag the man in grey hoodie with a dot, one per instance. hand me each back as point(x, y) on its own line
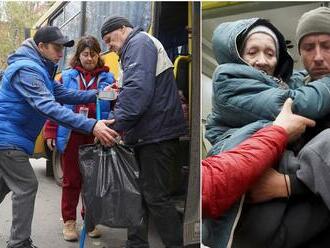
point(313, 40)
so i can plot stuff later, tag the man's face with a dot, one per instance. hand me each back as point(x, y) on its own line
point(115, 40)
point(53, 52)
point(315, 54)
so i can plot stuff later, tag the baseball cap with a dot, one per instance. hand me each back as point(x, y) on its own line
point(52, 34)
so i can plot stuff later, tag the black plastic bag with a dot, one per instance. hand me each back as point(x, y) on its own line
point(111, 192)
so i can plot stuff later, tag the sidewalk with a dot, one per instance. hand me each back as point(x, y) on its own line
point(47, 223)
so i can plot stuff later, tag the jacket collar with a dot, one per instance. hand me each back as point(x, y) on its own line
point(93, 73)
point(130, 36)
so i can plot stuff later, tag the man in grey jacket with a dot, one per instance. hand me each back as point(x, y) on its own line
point(313, 40)
point(149, 114)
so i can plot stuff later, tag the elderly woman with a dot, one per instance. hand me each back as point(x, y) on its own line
point(254, 78)
point(250, 85)
point(87, 72)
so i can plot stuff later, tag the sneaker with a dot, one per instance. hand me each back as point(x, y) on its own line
point(96, 233)
point(69, 231)
point(25, 244)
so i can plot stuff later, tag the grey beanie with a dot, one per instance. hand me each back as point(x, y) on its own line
point(313, 21)
point(113, 23)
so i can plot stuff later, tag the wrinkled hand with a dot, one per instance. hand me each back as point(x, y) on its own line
point(293, 124)
point(108, 88)
point(270, 185)
point(113, 87)
point(51, 144)
point(104, 134)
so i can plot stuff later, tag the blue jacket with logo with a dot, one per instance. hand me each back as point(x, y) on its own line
point(148, 107)
point(29, 95)
point(70, 79)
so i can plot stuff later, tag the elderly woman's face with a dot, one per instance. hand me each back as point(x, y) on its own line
point(260, 52)
point(88, 59)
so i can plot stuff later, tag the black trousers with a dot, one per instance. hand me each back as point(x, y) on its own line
point(155, 161)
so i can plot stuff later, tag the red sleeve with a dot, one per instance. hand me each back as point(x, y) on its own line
point(228, 175)
point(50, 130)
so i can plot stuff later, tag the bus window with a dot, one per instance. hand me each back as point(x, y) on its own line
point(68, 20)
point(139, 14)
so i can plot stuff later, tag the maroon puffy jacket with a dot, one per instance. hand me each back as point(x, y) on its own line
point(228, 175)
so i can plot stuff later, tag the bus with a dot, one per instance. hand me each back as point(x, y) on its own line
point(284, 15)
point(177, 26)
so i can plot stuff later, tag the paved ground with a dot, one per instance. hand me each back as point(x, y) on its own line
point(47, 223)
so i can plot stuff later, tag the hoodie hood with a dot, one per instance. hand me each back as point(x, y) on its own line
point(229, 36)
point(29, 50)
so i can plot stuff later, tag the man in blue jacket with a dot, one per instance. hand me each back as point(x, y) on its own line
point(28, 96)
point(149, 114)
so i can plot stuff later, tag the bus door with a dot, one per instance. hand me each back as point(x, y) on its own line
point(174, 25)
point(170, 28)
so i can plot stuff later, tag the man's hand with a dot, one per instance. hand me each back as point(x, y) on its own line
point(270, 185)
point(104, 134)
point(293, 124)
point(51, 144)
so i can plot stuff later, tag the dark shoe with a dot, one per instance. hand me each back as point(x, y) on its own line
point(25, 244)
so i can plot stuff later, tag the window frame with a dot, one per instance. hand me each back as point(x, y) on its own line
point(62, 64)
